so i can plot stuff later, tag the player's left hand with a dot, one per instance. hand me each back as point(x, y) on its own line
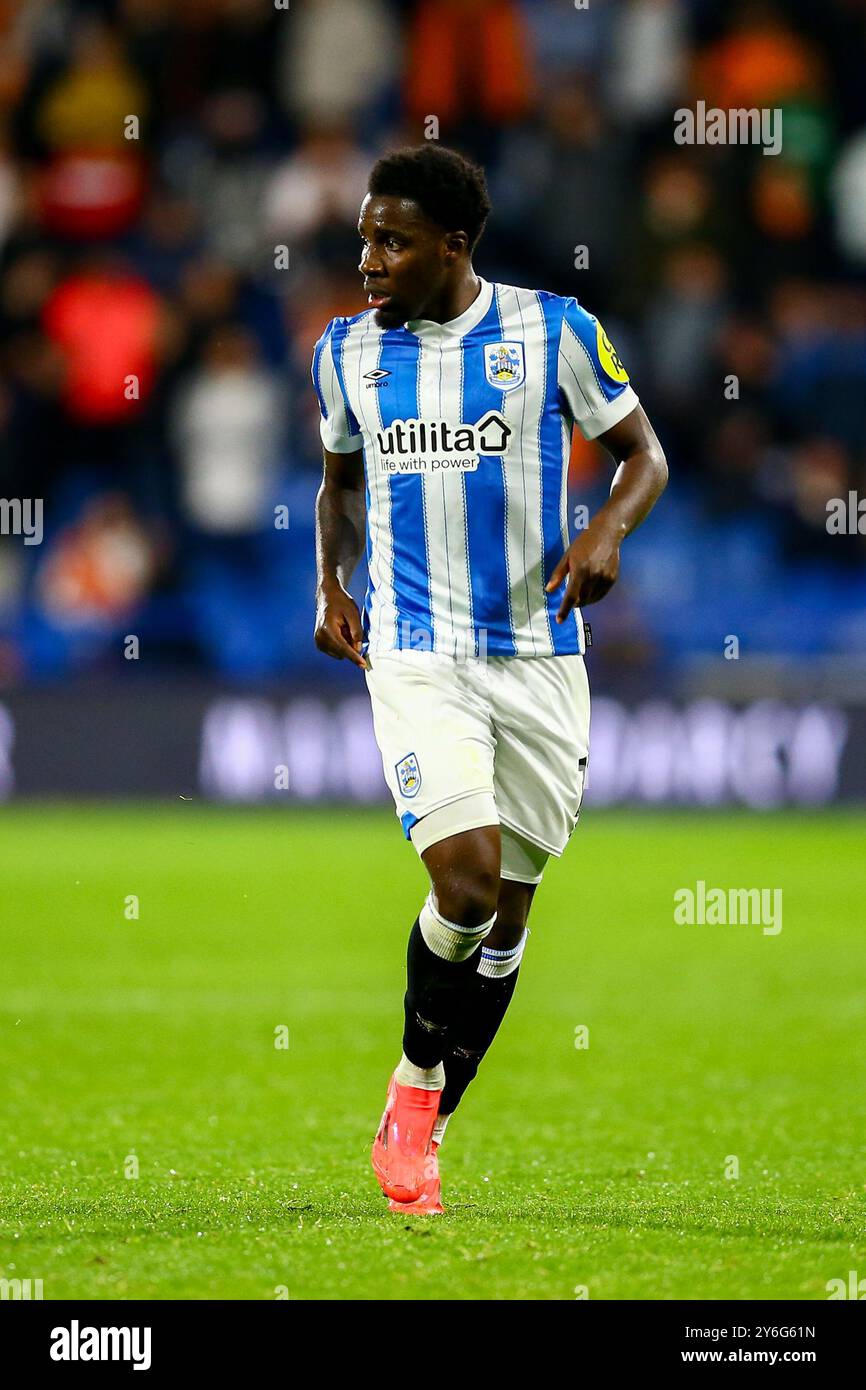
point(592, 565)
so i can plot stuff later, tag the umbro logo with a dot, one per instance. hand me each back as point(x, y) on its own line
point(376, 377)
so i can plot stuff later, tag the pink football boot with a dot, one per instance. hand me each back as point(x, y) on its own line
point(430, 1201)
point(401, 1148)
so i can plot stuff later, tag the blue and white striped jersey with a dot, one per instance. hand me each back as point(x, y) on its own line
point(466, 431)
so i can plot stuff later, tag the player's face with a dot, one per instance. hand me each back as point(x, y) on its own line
point(405, 259)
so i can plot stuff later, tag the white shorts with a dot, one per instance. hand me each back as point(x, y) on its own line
point(471, 742)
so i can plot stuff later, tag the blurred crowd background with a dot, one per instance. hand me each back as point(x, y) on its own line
point(733, 284)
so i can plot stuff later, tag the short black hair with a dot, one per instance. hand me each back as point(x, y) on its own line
point(448, 187)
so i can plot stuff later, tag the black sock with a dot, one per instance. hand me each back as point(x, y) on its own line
point(434, 990)
point(482, 1008)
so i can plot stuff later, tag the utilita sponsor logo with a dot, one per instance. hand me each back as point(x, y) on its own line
point(77, 1343)
point(428, 446)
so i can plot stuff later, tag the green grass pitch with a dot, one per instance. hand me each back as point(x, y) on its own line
point(150, 1043)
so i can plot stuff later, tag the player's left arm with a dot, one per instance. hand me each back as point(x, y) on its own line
point(592, 560)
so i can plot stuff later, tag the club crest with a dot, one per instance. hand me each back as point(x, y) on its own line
point(409, 775)
point(503, 365)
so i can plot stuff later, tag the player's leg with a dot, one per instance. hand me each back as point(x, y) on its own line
point(541, 714)
point(445, 945)
point(442, 956)
point(437, 747)
point(485, 1000)
point(512, 912)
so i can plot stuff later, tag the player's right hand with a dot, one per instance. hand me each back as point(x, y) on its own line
point(338, 627)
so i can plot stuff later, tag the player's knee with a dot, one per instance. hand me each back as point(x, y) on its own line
point(470, 901)
point(465, 874)
point(468, 894)
point(505, 934)
point(512, 912)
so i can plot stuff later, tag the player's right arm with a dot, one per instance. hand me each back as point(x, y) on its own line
point(340, 527)
point(339, 544)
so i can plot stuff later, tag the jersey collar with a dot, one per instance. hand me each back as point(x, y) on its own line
point(463, 324)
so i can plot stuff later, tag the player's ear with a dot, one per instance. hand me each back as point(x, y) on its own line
point(456, 244)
